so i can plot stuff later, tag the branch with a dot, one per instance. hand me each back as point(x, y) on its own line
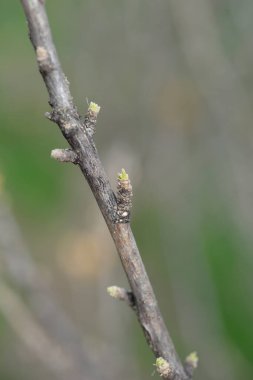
point(77, 133)
point(18, 268)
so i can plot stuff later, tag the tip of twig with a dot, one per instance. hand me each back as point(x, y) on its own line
point(94, 107)
point(123, 176)
point(122, 295)
point(163, 367)
point(192, 359)
point(115, 292)
point(191, 363)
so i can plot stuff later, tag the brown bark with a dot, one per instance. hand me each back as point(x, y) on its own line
point(75, 130)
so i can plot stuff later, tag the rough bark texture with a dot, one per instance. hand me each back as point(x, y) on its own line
point(73, 129)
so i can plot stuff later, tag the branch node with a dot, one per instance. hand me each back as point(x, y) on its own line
point(124, 195)
point(65, 118)
point(64, 155)
point(41, 53)
point(43, 59)
point(191, 363)
point(90, 119)
point(49, 116)
point(163, 368)
point(122, 295)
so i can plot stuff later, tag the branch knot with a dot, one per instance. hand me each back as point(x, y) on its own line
point(191, 363)
point(122, 295)
point(90, 119)
point(124, 195)
point(163, 368)
point(43, 59)
point(64, 155)
point(66, 118)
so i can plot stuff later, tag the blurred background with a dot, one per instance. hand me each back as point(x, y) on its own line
point(174, 79)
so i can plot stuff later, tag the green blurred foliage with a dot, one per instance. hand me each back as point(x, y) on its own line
point(223, 248)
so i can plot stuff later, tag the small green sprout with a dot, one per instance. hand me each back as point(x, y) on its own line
point(123, 176)
point(94, 107)
point(113, 291)
point(192, 359)
point(163, 367)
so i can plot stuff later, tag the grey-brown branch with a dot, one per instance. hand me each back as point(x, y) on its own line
point(83, 151)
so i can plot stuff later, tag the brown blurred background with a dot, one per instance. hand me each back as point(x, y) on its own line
point(174, 79)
